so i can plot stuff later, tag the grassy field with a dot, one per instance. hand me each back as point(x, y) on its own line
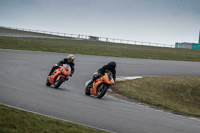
point(98, 48)
point(18, 121)
point(179, 94)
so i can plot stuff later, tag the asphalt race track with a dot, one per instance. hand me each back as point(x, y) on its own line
point(22, 85)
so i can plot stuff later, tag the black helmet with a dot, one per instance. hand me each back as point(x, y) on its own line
point(112, 64)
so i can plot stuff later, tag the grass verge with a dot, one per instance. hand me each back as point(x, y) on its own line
point(179, 94)
point(98, 48)
point(18, 121)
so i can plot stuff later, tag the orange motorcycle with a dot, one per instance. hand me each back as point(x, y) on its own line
point(101, 85)
point(59, 76)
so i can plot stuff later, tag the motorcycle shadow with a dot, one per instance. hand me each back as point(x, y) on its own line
point(60, 88)
point(105, 97)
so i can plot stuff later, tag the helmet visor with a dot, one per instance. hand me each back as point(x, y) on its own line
point(71, 59)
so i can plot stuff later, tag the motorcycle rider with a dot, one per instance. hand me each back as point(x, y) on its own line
point(69, 60)
point(110, 66)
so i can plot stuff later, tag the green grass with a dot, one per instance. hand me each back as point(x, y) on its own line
point(18, 121)
point(98, 48)
point(179, 94)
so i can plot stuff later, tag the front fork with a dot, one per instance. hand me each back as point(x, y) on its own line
point(65, 78)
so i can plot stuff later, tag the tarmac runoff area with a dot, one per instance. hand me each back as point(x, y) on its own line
point(118, 79)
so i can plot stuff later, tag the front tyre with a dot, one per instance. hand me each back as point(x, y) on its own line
point(58, 82)
point(101, 91)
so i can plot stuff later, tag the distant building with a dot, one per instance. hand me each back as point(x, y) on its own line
point(94, 38)
point(187, 45)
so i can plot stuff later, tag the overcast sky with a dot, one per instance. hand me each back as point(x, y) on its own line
point(159, 21)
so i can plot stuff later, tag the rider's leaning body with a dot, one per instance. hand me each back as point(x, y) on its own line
point(110, 67)
point(69, 60)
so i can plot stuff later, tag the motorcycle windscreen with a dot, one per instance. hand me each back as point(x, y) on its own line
point(67, 67)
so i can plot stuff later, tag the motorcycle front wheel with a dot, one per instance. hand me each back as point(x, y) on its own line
point(58, 82)
point(101, 91)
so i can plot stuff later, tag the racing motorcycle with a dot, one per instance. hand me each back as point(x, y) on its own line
point(59, 76)
point(101, 85)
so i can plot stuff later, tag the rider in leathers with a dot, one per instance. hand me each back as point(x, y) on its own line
point(110, 66)
point(69, 60)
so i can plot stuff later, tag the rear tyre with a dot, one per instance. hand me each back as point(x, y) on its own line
point(58, 82)
point(47, 83)
point(101, 91)
point(87, 90)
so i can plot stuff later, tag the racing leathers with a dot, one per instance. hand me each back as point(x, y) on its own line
point(110, 66)
point(60, 63)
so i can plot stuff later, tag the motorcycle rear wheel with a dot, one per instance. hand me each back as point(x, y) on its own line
point(87, 90)
point(47, 83)
point(101, 91)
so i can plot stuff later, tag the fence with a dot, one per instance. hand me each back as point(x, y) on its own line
point(87, 37)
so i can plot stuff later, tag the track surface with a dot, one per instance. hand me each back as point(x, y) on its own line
point(22, 84)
